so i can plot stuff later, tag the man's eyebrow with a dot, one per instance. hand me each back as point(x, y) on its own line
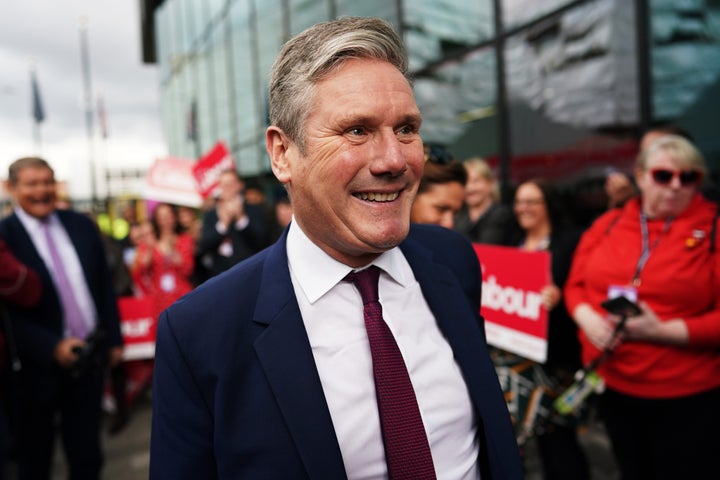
point(415, 118)
point(350, 119)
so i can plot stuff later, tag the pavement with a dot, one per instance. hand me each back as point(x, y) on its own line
point(127, 454)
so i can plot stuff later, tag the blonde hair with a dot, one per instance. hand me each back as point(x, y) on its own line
point(678, 148)
point(480, 166)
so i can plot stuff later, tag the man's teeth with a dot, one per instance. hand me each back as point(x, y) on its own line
point(377, 197)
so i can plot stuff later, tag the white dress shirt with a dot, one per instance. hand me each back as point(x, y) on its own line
point(332, 312)
point(70, 259)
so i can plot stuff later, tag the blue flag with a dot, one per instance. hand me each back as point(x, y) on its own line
point(38, 111)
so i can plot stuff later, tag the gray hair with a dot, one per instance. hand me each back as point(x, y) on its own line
point(680, 150)
point(26, 162)
point(312, 55)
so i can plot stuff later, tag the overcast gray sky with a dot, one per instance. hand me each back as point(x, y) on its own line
point(46, 33)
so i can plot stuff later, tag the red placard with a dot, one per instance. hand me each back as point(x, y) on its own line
point(208, 169)
point(515, 319)
point(138, 327)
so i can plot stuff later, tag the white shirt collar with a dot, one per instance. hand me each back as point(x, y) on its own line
point(317, 272)
point(34, 224)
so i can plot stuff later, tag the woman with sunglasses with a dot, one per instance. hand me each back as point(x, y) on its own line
point(662, 367)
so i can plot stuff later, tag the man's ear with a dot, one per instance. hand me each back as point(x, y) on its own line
point(278, 145)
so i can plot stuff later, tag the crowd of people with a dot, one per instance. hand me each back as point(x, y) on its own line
point(316, 357)
point(659, 367)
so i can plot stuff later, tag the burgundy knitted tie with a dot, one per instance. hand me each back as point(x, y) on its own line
point(406, 445)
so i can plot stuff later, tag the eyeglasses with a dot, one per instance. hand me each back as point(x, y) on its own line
point(663, 176)
point(438, 154)
point(528, 202)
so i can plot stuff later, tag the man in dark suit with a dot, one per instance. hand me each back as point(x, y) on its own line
point(64, 340)
point(231, 231)
point(286, 366)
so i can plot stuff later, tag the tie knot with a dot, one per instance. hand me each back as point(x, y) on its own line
point(366, 282)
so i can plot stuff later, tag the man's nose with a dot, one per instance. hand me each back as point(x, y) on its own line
point(389, 156)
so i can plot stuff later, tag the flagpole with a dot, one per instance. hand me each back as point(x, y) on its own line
point(105, 174)
point(38, 112)
point(37, 136)
point(87, 96)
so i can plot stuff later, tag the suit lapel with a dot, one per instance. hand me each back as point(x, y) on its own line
point(24, 248)
point(458, 321)
point(448, 304)
point(286, 357)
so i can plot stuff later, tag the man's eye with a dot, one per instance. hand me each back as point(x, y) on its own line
point(407, 130)
point(356, 131)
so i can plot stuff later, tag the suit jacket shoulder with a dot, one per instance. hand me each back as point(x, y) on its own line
point(448, 248)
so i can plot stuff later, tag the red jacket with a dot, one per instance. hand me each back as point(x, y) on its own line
point(681, 279)
point(18, 284)
point(162, 280)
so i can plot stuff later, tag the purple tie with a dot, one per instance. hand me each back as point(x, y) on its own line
point(73, 316)
point(407, 451)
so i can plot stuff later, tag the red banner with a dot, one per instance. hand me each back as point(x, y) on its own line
point(512, 280)
point(138, 327)
point(209, 167)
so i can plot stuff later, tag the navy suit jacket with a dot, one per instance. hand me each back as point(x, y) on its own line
point(236, 392)
point(38, 329)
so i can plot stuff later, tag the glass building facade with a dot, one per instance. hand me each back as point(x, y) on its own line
point(552, 88)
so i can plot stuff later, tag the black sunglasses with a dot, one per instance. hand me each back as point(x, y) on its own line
point(438, 154)
point(663, 176)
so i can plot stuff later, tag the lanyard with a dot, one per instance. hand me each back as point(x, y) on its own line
point(646, 247)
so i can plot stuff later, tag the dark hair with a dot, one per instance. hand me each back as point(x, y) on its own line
point(153, 218)
point(26, 162)
point(436, 173)
point(556, 214)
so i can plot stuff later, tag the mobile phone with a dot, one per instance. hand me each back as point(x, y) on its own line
point(621, 306)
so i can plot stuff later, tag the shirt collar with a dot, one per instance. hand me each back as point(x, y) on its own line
point(317, 272)
point(34, 224)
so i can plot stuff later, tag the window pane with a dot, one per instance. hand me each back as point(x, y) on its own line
point(579, 69)
point(434, 29)
point(456, 99)
point(685, 70)
point(220, 89)
point(305, 13)
point(386, 9)
point(519, 12)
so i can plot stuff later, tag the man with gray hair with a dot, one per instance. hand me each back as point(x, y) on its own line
point(353, 347)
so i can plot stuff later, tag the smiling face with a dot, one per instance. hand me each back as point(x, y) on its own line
point(530, 208)
point(478, 189)
point(34, 191)
point(353, 188)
